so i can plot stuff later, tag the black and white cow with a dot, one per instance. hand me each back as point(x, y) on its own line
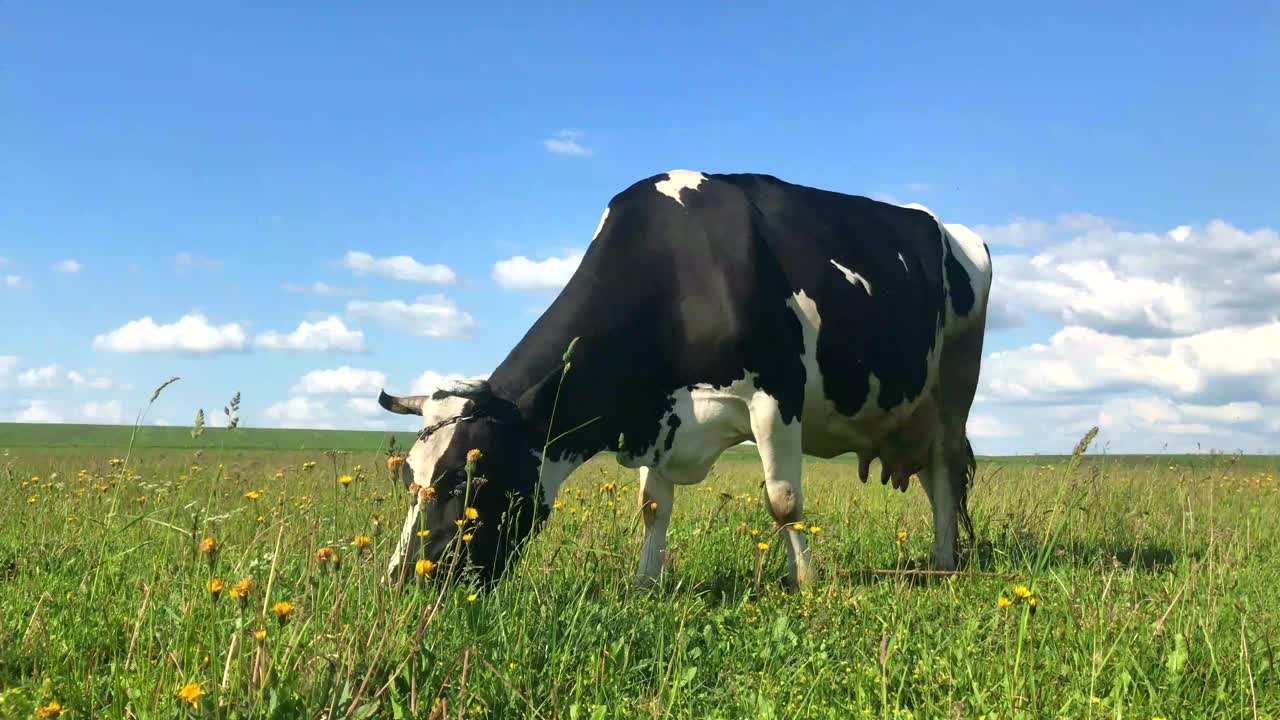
point(711, 310)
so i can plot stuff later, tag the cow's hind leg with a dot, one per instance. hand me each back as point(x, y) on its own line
point(780, 453)
point(946, 481)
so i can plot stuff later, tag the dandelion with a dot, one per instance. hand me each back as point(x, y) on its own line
point(466, 537)
point(361, 542)
point(653, 505)
point(283, 610)
point(424, 567)
point(472, 597)
point(33, 500)
point(755, 532)
point(609, 486)
point(215, 587)
point(253, 495)
point(209, 545)
point(423, 533)
point(1022, 592)
point(1033, 602)
point(557, 505)
point(191, 693)
point(240, 591)
point(308, 465)
point(472, 513)
point(51, 710)
point(762, 546)
point(902, 537)
point(326, 555)
point(1004, 602)
point(394, 462)
point(260, 634)
point(815, 529)
point(473, 456)
point(799, 527)
point(345, 480)
point(279, 474)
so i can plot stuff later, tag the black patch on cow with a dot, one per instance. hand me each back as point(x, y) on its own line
point(673, 423)
point(670, 295)
point(958, 284)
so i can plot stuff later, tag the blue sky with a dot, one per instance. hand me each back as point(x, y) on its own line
point(211, 162)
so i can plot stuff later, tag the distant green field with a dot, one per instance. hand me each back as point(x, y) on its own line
point(117, 436)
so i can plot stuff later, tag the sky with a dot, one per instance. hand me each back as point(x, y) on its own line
point(307, 202)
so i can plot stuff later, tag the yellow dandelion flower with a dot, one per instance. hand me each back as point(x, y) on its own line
point(215, 587)
point(1034, 602)
point(755, 532)
point(394, 462)
point(798, 526)
point(472, 513)
point(33, 500)
point(653, 505)
point(361, 541)
point(762, 546)
point(279, 474)
point(557, 505)
point(815, 529)
point(283, 610)
point(327, 555)
point(459, 522)
point(253, 495)
point(1004, 602)
point(260, 634)
point(191, 693)
point(1022, 592)
point(466, 537)
point(423, 533)
point(51, 710)
point(902, 537)
point(345, 480)
point(474, 455)
point(209, 545)
point(424, 567)
point(240, 591)
point(472, 597)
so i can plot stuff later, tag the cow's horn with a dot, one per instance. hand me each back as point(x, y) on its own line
point(475, 390)
point(408, 405)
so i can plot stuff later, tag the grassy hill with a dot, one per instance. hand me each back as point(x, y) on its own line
point(117, 436)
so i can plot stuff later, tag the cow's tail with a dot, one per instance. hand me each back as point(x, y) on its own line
point(962, 486)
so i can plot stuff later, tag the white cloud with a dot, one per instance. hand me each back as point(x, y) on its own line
point(91, 379)
point(341, 381)
point(917, 186)
point(300, 412)
point(191, 334)
point(987, 426)
point(68, 266)
point(430, 381)
point(44, 377)
point(38, 411)
point(399, 267)
point(521, 273)
point(1231, 364)
point(367, 407)
point(327, 335)
point(320, 289)
point(108, 412)
point(428, 316)
point(7, 365)
point(1085, 271)
point(565, 142)
point(16, 282)
point(186, 262)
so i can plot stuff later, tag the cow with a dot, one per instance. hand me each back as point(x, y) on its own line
point(709, 310)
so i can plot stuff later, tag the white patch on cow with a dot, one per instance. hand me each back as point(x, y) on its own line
point(678, 180)
point(971, 251)
point(600, 227)
point(554, 473)
point(424, 455)
point(853, 277)
point(904, 262)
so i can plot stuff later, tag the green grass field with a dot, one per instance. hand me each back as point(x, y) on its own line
point(1156, 580)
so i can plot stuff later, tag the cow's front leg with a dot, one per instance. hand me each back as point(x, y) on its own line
point(656, 497)
point(780, 453)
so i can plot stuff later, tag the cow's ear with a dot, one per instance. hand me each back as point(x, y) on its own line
point(477, 391)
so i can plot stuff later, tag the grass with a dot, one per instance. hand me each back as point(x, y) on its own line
point(1157, 597)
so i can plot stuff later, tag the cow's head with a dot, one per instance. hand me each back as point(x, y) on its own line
point(458, 420)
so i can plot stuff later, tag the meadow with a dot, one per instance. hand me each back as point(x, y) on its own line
point(238, 575)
